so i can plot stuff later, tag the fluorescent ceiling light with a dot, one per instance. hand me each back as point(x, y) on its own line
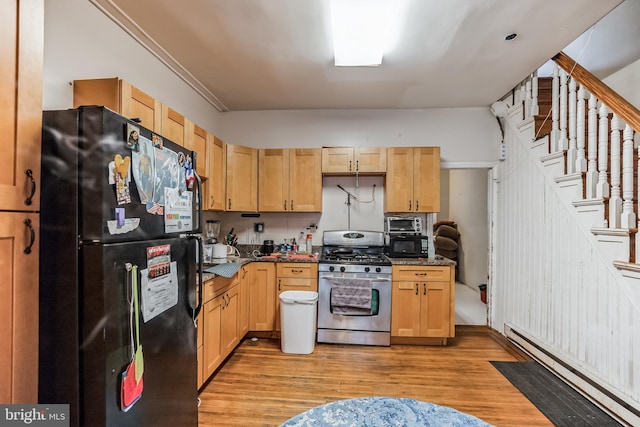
point(359, 31)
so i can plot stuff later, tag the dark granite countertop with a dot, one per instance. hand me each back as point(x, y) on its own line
point(438, 260)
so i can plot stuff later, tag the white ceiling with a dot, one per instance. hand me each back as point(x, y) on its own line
point(277, 54)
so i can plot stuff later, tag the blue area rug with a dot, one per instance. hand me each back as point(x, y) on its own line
point(382, 412)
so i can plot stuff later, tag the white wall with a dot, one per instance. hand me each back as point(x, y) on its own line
point(83, 43)
point(626, 83)
point(463, 134)
point(366, 213)
point(468, 207)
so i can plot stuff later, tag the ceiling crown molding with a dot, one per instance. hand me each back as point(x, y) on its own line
point(118, 16)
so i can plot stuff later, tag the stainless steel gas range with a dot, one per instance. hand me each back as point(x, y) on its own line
point(354, 287)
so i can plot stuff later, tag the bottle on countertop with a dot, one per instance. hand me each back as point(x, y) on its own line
point(309, 244)
point(294, 246)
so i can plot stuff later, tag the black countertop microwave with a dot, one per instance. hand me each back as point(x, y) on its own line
point(405, 246)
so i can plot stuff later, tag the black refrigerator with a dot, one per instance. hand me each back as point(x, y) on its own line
point(120, 219)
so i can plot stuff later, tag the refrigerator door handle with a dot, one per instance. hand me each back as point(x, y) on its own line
point(197, 207)
point(196, 310)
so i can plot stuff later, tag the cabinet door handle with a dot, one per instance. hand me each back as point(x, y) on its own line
point(417, 205)
point(297, 271)
point(424, 292)
point(213, 201)
point(291, 204)
point(417, 288)
point(229, 203)
point(279, 284)
point(29, 174)
point(421, 274)
point(357, 165)
point(349, 165)
point(285, 205)
point(32, 232)
point(409, 205)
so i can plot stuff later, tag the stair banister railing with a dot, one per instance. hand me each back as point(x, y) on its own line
point(624, 109)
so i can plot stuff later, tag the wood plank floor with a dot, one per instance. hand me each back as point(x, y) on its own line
point(261, 386)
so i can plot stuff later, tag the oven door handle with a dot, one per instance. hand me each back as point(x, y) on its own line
point(338, 278)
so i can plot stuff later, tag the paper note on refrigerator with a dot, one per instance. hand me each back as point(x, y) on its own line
point(159, 293)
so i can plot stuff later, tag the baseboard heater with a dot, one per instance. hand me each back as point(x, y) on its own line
point(619, 407)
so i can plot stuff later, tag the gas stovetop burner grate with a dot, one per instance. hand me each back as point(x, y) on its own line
point(356, 259)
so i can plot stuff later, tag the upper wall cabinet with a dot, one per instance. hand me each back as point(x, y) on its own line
point(348, 160)
point(290, 180)
point(20, 104)
point(174, 125)
point(242, 179)
point(413, 179)
point(215, 186)
point(121, 97)
point(196, 140)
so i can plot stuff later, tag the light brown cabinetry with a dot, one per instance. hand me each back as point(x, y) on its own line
point(294, 277)
point(200, 346)
point(347, 160)
point(173, 125)
point(221, 310)
point(196, 140)
point(413, 179)
point(422, 302)
point(21, 49)
point(242, 179)
point(246, 274)
point(262, 297)
point(215, 186)
point(121, 97)
point(290, 180)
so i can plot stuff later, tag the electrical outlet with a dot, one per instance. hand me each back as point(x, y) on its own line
point(258, 227)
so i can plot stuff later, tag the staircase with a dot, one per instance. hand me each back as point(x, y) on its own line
point(584, 144)
point(565, 279)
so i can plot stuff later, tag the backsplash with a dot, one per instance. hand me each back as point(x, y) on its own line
point(365, 213)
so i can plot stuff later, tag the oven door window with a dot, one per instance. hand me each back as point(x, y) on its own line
point(356, 311)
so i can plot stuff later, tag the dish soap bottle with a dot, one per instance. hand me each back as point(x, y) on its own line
point(309, 245)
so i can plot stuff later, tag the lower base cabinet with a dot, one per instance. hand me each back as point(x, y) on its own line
point(262, 295)
point(221, 321)
point(422, 302)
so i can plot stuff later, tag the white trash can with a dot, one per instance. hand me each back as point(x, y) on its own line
point(298, 321)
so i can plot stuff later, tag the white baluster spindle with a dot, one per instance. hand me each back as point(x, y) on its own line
point(555, 108)
point(592, 148)
point(615, 201)
point(602, 187)
point(628, 217)
point(535, 109)
point(563, 143)
point(581, 160)
point(572, 152)
point(527, 98)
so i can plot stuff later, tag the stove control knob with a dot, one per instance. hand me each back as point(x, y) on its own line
point(331, 268)
point(378, 269)
point(366, 269)
point(342, 269)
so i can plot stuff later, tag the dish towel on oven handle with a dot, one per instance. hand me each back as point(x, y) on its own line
point(351, 296)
